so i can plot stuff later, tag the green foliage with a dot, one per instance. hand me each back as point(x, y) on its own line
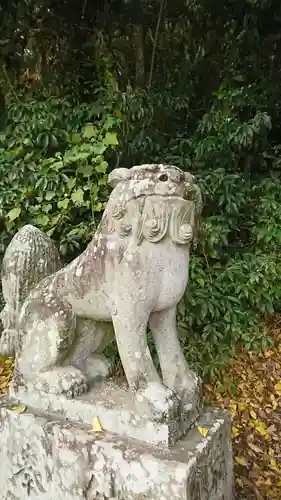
point(196, 84)
point(235, 274)
point(53, 169)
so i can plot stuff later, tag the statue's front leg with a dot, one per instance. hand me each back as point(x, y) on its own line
point(176, 372)
point(130, 325)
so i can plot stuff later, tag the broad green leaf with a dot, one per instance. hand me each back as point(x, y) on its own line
point(47, 208)
point(71, 183)
point(76, 138)
point(78, 196)
point(111, 139)
point(89, 131)
point(99, 149)
point(57, 164)
point(101, 167)
point(201, 282)
point(51, 231)
point(98, 207)
point(49, 195)
point(42, 220)
point(14, 213)
point(87, 170)
point(63, 203)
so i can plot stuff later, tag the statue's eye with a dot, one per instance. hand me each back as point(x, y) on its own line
point(163, 178)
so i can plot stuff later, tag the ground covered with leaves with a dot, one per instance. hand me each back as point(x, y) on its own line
point(6, 372)
point(251, 390)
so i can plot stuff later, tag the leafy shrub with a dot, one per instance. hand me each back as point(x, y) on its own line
point(53, 168)
point(235, 275)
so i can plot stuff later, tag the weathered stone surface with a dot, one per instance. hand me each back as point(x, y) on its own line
point(133, 273)
point(30, 257)
point(48, 459)
point(117, 411)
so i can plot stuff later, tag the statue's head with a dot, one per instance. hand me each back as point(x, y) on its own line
point(152, 201)
point(153, 179)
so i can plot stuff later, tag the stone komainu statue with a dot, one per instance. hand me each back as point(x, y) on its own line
point(132, 274)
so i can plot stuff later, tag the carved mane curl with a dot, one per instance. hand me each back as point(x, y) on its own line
point(136, 209)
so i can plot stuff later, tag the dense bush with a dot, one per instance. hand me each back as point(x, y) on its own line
point(196, 84)
point(53, 168)
point(235, 274)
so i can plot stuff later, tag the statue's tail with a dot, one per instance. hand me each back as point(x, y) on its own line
point(30, 257)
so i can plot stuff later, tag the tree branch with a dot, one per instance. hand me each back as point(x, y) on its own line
point(155, 43)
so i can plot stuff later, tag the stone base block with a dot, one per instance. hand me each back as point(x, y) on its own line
point(115, 407)
point(42, 458)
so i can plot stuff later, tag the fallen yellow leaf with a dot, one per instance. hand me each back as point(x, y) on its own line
point(19, 408)
point(203, 431)
point(274, 402)
point(242, 406)
point(8, 361)
point(239, 482)
point(4, 384)
point(253, 414)
point(235, 431)
point(261, 428)
point(255, 448)
point(96, 425)
point(274, 465)
point(241, 461)
point(255, 411)
point(277, 388)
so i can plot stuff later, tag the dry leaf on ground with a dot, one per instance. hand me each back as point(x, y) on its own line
point(6, 373)
point(256, 418)
point(96, 425)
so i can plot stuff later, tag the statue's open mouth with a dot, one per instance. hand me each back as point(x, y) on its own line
point(163, 196)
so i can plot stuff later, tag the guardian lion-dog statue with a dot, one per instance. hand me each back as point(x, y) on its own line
point(132, 274)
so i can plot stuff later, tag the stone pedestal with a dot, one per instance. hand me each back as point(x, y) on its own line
point(45, 456)
point(118, 412)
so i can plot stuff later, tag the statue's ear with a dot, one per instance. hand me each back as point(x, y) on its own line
point(118, 175)
point(189, 177)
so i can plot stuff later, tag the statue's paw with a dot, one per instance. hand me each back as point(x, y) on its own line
point(68, 381)
point(187, 386)
point(97, 367)
point(162, 403)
